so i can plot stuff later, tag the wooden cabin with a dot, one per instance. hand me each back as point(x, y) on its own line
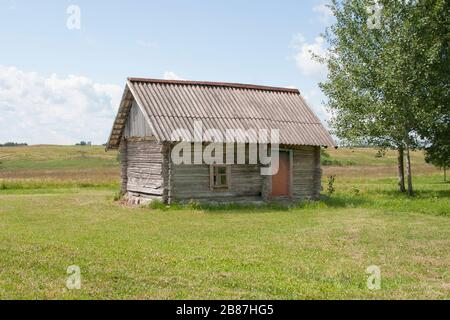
point(151, 110)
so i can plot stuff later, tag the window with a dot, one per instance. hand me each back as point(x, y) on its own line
point(219, 177)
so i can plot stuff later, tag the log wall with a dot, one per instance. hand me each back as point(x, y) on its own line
point(307, 173)
point(192, 182)
point(123, 166)
point(146, 170)
point(149, 173)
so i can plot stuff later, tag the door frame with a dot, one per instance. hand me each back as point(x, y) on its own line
point(291, 173)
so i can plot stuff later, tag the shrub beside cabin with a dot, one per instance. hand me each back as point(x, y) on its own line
point(152, 110)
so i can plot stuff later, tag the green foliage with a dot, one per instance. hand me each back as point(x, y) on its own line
point(380, 153)
point(84, 143)
point(157, 205)
point(117, 196)
point(13, 144)
point(388, 86)
point(330, 185)
point(327, 160)
point(194, 205)
point(355, 191)
point(438, 155)
point(438, 152)
point(15, 185)
point(227, 207)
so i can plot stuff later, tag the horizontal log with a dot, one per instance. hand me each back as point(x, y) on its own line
point(141, 189)
point(214, 195)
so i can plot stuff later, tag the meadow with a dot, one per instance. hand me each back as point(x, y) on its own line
point(57, 209)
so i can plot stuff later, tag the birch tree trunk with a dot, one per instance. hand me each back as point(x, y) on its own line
point(408, 172)
point(401, 170)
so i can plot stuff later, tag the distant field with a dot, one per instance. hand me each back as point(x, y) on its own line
point(367, 165)
point(92, 165)
point(57, 210)
point(70, 166)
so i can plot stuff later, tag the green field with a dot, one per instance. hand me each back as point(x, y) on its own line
point(57, 210)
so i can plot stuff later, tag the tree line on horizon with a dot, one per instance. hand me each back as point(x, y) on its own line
point(13, 144)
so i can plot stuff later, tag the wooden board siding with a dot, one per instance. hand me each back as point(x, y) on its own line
point(145, 168)
point(306, 173)
point(137, 125)
point(192, 182)
point(148, 172)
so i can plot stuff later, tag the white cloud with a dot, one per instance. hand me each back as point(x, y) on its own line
point(325, 13)
point(315, 98)
point(37, 109)
point(170, 75)
point(313, 71)
point(304, 59)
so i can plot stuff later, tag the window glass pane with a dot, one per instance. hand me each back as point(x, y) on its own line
point(219, 176)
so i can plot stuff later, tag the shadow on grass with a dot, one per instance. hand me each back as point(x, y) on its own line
point(418, 194)
point(425, 201)
point(250, 208)
point(338, 201)
point(220, 207)
point(344, 201)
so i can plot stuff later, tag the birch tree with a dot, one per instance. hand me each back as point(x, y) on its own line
point(378, 84)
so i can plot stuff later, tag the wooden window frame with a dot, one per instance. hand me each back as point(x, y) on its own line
point(212, 173)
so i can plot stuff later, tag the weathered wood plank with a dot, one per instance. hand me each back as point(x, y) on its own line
point(306, 173)
point(137, 125)
point(149, 171)
point(144, 167)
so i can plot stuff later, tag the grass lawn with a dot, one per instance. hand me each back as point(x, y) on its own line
point(56, 215)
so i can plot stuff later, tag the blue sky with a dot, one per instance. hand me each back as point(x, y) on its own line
point(60, 86)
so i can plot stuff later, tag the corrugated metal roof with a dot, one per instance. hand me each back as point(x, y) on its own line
point(173, 104)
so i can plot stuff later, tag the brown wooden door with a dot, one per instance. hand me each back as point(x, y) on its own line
point(281, 180)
